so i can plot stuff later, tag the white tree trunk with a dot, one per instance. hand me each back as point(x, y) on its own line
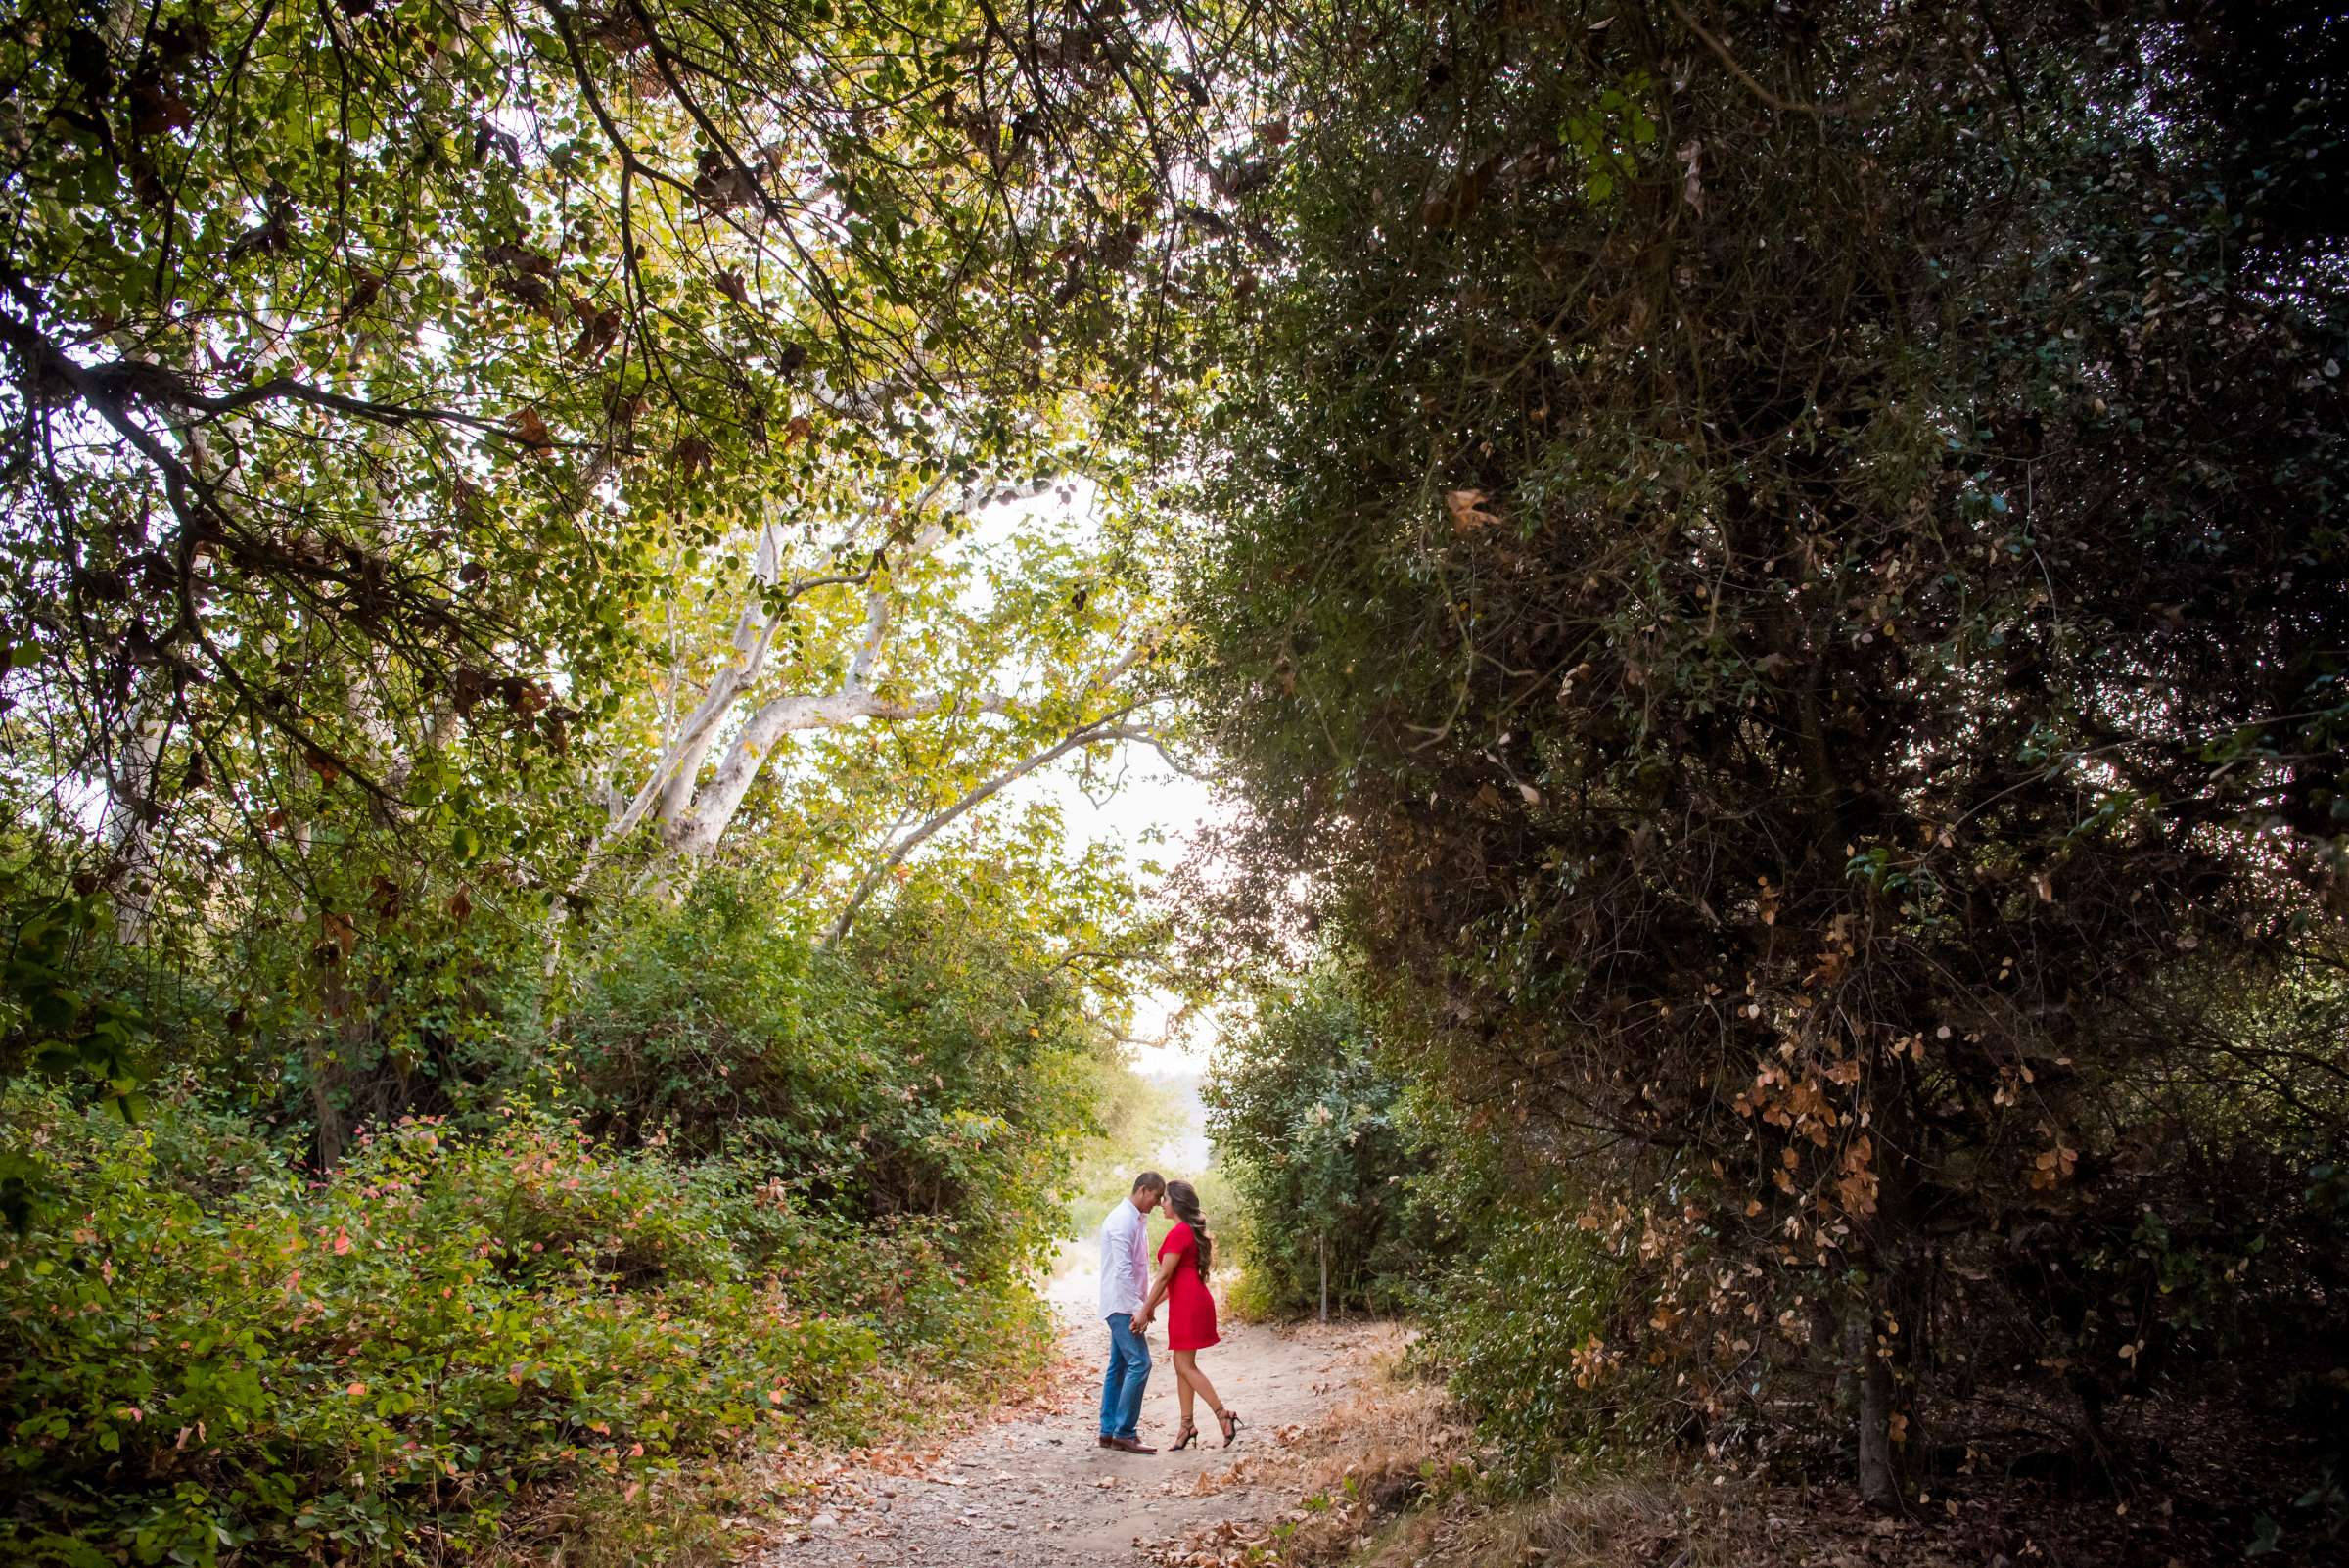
point(128, 829)
point(693, 814)
point(132, 809)
point(715, 802)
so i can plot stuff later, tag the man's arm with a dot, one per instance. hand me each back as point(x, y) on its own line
point(1139, 1266)
point(1106, 1234)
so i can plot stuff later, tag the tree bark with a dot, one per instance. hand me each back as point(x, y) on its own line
point(693, 814)
point(1879, 1463)
point(694, 817)
point(128, 829)
point(717, 802)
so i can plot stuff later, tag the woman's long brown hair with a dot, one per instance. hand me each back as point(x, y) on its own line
point(1183, 1199)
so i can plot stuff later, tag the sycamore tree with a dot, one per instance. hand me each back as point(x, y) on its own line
point(450, 450)
point(845, 697)
point(362, 359)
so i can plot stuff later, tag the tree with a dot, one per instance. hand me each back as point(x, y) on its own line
point(475, 412)
point(1055, 623)
point(1780, 574)
point(417, 325)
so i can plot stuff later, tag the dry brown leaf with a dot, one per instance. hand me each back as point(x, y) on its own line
point(530, 428)
point(1468, 515)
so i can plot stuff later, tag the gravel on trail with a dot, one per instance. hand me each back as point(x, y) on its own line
point(1034, 1488)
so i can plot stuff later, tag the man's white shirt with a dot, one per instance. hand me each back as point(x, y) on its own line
point(1125, 1260)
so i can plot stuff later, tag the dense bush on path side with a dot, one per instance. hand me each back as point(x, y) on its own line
point(767, 1172)
point(206, 1362)
point(1778, 573)
point(938, 1073)
point(1324, 1157)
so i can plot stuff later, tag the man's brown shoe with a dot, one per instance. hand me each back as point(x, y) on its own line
point(1107, 1441)
point(1129, 1446)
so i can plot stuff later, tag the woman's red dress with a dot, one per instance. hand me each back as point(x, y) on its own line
point(1191, 1310)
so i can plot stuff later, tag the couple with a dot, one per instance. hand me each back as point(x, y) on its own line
point(1129, 1298)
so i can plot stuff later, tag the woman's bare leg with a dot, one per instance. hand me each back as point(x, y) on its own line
point(1188, 1373)
point(1182, 1389)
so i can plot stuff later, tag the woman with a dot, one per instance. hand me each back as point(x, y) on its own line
point(1181, 1283)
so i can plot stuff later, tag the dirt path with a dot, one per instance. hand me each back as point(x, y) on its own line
point(1034, 1488)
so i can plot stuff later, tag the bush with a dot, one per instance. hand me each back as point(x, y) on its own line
point(1814, 730)
point(934, 1077)
point(1320, 1151)
point(790, 1164)
point(1524, 1332)
point(1250, 1297)
point(1137, 1117)
point(378, 1366)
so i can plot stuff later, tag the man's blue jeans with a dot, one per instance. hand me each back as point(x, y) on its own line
point(1129, 1372)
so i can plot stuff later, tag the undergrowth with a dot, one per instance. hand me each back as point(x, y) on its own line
point(454, 1346)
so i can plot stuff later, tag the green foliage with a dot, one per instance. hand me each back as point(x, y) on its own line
point(1137, 1118)
point(804, 1159)
point(1787, 593)
point(938, 1069)
point(1522, 1329)
point(1319, 1153)
point(428, 345)
point(801, 1158)
point(378, 1366)
point(797, 1160)
point(456, 402)
point(58, 1015)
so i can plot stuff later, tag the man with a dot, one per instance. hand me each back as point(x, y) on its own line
point(1125, 1279)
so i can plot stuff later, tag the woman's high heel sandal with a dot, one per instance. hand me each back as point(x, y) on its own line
point(1230, 1424)
point(1190, 1435)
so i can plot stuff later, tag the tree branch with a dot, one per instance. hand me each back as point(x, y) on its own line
point(1789, 106)
point(1108, 729)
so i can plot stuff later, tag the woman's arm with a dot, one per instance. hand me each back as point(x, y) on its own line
point(1158, 1288)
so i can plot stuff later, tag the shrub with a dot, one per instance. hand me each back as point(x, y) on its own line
point(1527, 1328)
point(1137, 1118)
point(1799, 718)
point(1248, 1297)
point(934, 1077)
point(1321, 1152)
point(378, 1366)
